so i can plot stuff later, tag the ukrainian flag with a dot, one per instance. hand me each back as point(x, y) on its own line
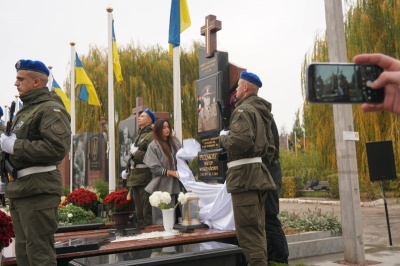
point(87, 92)
point(116, 63)
point(60, 92)
point(179, 21)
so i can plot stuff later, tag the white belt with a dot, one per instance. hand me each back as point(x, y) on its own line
point(35, 169)
point(141, 165)
point(244, 161)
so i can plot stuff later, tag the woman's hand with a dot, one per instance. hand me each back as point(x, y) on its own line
point(173, 173)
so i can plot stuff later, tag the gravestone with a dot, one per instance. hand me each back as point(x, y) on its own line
point(80, 160)
point(97, 155)
point(212, 87)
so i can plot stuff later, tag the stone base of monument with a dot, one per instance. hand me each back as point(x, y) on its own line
point(311, 244)
point(211, 253)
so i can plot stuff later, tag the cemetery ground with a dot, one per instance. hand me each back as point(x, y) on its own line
point(375, 232)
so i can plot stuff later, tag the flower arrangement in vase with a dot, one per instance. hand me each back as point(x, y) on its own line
point(6, 230)
point(162, 200)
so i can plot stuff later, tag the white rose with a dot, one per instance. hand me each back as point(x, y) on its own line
point(70, 215)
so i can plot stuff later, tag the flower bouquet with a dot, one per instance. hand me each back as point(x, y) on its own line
point(116, 201)
point(6, 230)
point(83, 198)
point(163, 199)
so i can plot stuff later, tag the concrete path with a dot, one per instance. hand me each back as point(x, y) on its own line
point(375, 232)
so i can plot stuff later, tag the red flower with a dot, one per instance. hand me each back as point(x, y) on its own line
point(6, 230)
point(83, 198)
point(116, 201)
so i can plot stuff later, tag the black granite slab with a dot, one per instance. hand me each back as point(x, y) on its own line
point(206, 253)
point(81, 244)
point(80, 227)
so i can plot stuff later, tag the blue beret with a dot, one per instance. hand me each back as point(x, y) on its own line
point(31, 65)
point(1, 112)
point(252, 78)
point(151, 114)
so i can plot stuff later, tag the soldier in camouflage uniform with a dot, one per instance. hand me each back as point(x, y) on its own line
point(250, 147)
point(2, 127)
point(40, 140)
point(140, 174)
point(2, 185)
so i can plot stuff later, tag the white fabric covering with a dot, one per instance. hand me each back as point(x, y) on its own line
point(215, 202)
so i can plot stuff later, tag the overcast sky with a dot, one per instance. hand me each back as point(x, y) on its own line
point(269, 38)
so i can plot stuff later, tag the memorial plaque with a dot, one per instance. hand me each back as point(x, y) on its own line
point(209, 66)
point(95, 151)
point(210, 169)
point(211, 143)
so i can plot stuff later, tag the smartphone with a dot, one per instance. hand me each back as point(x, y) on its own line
point(343, 83)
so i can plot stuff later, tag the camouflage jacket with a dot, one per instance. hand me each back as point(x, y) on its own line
point(250, 136)
point(42, 140)
point(140, 176)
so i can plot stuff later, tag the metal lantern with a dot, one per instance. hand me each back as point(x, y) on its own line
point(190, 210)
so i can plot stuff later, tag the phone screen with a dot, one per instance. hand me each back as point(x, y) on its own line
point(343, 83)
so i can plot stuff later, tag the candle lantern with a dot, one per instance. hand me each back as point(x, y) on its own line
point(190, 210)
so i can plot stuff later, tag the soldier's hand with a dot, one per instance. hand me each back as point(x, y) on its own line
point(7, 143)
point(224, 132)
point(134, 148)
point(124, 174)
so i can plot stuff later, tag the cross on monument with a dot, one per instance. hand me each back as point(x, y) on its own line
point(140, 107)
point(210, 31)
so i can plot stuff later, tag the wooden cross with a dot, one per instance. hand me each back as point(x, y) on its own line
point(210, 31)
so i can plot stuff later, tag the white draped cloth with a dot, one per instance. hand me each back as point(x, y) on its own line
point(215, 202)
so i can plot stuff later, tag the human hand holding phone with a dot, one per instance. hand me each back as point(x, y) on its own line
point(389, 80)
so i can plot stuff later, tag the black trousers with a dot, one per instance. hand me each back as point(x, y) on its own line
point(277, 247)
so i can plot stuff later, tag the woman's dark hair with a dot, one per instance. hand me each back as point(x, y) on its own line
point(165, 145)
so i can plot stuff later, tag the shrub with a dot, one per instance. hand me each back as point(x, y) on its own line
point(101, 187)
point(310, 221)
point(291, 186)
point(71, 214)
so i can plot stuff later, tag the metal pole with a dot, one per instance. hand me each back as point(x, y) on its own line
point(387, 213)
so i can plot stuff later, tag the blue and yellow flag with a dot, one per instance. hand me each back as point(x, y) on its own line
point(116, 63)
point(179, 21)
point(87, 92)
point(60, 92)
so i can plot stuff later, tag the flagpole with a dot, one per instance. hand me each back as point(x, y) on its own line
point(177, 93)
point(111, 123)
point(50, 81)
point(16, 103)
point(72, 84)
